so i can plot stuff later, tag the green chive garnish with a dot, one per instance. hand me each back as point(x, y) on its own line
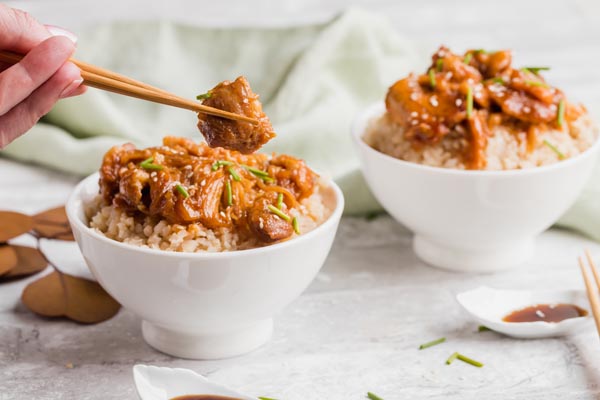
point(468, 58)
point(255, 171)
point(295, 225)
point(497, 79)
point(182, 191)
point(537, 83)
point(265, 398)
point(228, 192)
point(480, 51)
point(469, 102)
point(451, 358)
point(204, 96)
point(469, 360)
point(439, 64)
point(554, 149)
point(234, 174)
point(373, 396)
point(560, 119)
point(432, 343)
point(278, 212)
point(280, 200)
point(147, 164)
point(432, 78)
point(258, 173)
point(535, 70)
point(220, 163)
point(483, 328)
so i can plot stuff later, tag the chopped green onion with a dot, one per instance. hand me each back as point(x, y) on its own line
point(258, 173)
point(280, 200)
point(265, 398)
point(451, 358)
point(560, 118)
point(229, 193)
point(278, 212)
point(439, 64)
point(147, 164)
point(295, 225)
point(236, 177)
point(220, 163)
point(535, 70)
point(498, 80)
point(468, 58)
point(373, 396)
point(432, 78)
point(554, 149)
point(432, 343)
point(481, 51)
point(204, 96)
point(483, 328)
point(182, 191)
point(469, 102)
point(537, 83)
point(469, 360)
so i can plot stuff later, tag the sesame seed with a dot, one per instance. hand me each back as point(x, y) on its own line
point(526, 109)
point(433, 101)
point(540, 314)
point(413, 96)
point(414, 122)
point(425, 116)
point(203, 182)
point(458, 102)
point(222, 214)
point(414, 114)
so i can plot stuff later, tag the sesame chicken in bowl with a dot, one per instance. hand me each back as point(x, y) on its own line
point(476, 158)
point(476, 111)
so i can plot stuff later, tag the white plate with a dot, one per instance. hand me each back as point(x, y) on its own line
point(489, 306)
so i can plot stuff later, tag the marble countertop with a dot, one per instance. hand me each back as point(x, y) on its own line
point(357, 328)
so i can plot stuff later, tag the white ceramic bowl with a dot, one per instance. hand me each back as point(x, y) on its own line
point(203, 305)
point(471, 220)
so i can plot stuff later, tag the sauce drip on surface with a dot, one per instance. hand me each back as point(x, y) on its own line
point(546, 313)
point(203, 397)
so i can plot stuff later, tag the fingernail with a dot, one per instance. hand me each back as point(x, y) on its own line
point(71, 88)
point(57, 31)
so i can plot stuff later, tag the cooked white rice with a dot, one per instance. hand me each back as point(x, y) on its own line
point(154, 233)
point(505, 150)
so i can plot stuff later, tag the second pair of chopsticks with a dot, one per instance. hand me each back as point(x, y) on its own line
point(591, 287)
point(101, 78)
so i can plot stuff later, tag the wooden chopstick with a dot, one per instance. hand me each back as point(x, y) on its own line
point(110, 81)
point(591, 289)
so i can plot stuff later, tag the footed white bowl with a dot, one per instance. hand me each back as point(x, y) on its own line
point(203, 305)
point(471, 220)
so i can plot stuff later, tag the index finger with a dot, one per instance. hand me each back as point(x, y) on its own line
point(19, 31)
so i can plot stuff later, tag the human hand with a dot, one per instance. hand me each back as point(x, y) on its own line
point(30, 88)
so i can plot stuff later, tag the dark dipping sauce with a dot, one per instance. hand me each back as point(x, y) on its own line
point(546, 313)
point(203, 397)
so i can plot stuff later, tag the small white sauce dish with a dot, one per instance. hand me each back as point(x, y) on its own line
point(159, 383)
point(204, 305)
point(471, 220)
point(489, 306)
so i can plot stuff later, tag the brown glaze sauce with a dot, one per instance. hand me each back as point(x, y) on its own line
point(203, 397)
point(546, 313)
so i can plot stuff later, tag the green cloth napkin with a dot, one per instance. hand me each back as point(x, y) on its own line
point(312, 80)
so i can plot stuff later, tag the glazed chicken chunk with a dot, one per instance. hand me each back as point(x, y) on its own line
point(236, 97)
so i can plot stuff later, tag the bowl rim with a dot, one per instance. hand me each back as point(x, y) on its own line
point(79, 225)
point(378, 108)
